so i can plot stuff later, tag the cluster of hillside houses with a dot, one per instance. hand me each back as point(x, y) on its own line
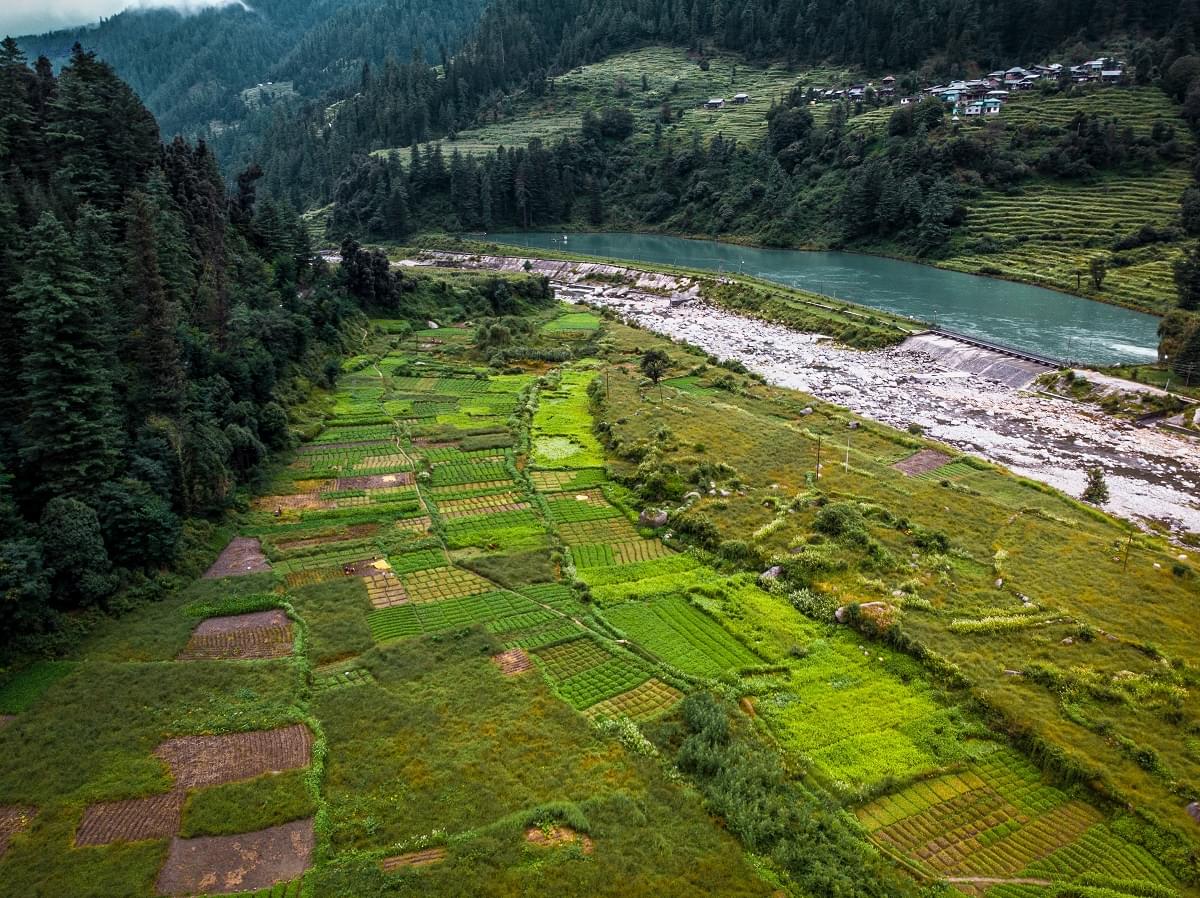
point(986, 95)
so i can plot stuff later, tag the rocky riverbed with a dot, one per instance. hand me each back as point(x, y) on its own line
point(1151, 475)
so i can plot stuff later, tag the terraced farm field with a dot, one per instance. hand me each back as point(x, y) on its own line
point(499, 648)
point(671, 77)
point(1047, 233)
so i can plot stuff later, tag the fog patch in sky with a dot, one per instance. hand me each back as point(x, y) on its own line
point(35, 16)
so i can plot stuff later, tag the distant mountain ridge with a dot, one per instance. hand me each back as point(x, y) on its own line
point(191, 70)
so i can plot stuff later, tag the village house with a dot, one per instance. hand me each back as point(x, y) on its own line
point(715, 103)
point(741, 98)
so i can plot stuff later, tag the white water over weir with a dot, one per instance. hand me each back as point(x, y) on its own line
point(957, 355)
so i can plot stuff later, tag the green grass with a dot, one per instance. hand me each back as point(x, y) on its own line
point(562, 426)
point(445, 745)
point(233, 808)
point(22, 689)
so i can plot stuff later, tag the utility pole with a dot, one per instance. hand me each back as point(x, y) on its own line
point(818, 458)
point(1128, 543)
point(847, 465)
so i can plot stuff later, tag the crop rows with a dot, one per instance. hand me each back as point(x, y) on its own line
point(419, 560)
point(570, 658)
point(458, 387)
point(916, 799)
point(643, 702)
point(551, 481)
point(457, 474)
point(572, 510)
point(537, 637)
point(681, 636)
point(506, 528)
point(337, 433)
point(526, 621)
point(614, 676)
point(665, 566)
point(442, 455)
point(556, 595)
point(609, 530)
point(434, 584)
point(1100, 851)
point(479, 504)
point(470, 490)
point(436, 617)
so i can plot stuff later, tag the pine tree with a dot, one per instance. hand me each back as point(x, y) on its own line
point(1187, 279)
point(16, 117)
point(156, 316)
point(1096, 491)
point(70, 435)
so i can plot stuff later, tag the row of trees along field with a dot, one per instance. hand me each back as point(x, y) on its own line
point(152, 333)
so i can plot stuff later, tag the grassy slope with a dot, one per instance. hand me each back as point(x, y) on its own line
point(1123, 684)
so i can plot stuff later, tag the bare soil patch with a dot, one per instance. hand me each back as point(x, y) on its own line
point(555, 836)
point(155, 817)
point(375, 481)
point(263, 634)
point(211, 760)
point(221, 864)
point(922, 462)
point(413, 859)
point(13, 819)
point(243, 555)
point(358, 531)
point(311, 501)
point(365, 567)
point(512, 662)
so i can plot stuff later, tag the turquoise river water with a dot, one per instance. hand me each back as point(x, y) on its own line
point(1034, 319)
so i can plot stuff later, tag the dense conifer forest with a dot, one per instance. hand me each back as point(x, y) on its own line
point(153, 332)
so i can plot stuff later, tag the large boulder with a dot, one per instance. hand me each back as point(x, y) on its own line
point(652, 517)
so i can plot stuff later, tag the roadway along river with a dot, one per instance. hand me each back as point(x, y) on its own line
point(1041, 321)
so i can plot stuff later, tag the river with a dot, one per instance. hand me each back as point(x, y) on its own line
point(1034, 319)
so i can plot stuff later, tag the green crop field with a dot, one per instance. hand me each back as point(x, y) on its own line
point(423, 743)
point(680, 635)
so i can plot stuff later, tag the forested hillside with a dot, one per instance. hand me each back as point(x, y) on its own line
point(152, 333)
point(199, 74)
